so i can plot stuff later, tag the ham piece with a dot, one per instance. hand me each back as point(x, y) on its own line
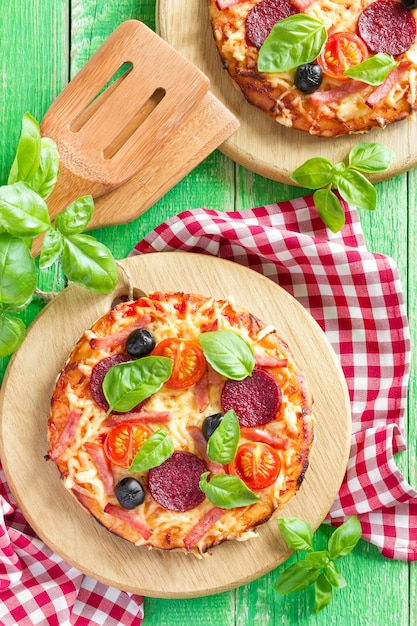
point(202, 527)
point(391, 80)
point(129, 518)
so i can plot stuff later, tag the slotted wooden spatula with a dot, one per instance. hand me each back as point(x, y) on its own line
point(124, 103)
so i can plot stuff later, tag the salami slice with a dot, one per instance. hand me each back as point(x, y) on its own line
point(97, 375)
point(387, 26)
point(175, 483)
point(255, 399)
point(263, 16)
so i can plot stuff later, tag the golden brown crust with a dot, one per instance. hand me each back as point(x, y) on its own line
point(74, 411)
point(277, 96)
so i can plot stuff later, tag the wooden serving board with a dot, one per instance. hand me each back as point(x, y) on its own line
point(261, 144)
point(67, 528)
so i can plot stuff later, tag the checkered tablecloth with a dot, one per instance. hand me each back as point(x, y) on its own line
point(356, 298)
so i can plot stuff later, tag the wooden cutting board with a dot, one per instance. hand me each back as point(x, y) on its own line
point(260, 144)
point(67, 528)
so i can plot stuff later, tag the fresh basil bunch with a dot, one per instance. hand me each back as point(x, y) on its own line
point(23, 216)
point(319, 567)
point(320, 174)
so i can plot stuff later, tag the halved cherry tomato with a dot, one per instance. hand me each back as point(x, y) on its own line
point(189, 361)
point(257, 464)
point(342, 51)
point(124, 440)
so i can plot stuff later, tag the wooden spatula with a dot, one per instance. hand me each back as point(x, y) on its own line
point(106, 132)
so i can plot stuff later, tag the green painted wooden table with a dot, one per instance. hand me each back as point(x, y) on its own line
point(45, 43)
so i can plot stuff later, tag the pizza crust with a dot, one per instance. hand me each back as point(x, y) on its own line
point(186, 316)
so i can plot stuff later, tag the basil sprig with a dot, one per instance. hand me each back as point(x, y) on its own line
point(23, 216)
point(156, 449)
point(319, 567)
point(127, 384)
point(228, 353)
point(320, 174)
point(374, 70)
point(223, 443)
point(226, 491)
point(292, 41)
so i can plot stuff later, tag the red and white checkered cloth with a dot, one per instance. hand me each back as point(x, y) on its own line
point(356, 298)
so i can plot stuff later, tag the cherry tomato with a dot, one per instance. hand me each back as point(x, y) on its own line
point(189, 361)
point(342, 50)
point(123, 442)
point(257, 464)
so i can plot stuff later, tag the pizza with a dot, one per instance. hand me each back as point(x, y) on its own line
point(180, 421)
point(374, 41)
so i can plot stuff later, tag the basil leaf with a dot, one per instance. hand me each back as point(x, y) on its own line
point(17, 271)
point(371, 157)
point(89, 263)
point(23, 212)
point(292, 41)
point(127, 384)
point(26, 162)
point(298, 576)
point(318, 559)
point(345, 538)
point(374, 70)
point(357, 190)
point(47, 173)
point(329, 208)
point(156, 449)
point(228, 353)
point(314, 173)
point(334, 577)
point(52, 247)
point(12, 333)
point(226, 491)
point(74, 219)
point(223, 443)
point(296, 533)
point(322, 593)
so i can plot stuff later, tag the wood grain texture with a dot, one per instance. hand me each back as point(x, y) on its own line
point(36, 484)
point(261, 144)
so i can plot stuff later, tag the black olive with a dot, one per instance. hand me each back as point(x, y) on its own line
point(210, 424)
point(140, 342)
point(308, 77)
point(129, 492)
point(410, 4)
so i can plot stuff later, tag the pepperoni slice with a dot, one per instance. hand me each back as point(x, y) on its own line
point(263, 16)
point(387, 26)
point(255, 399)
point(175, 483)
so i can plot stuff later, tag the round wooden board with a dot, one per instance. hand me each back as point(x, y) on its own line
point(67, 528)
point(261, 144)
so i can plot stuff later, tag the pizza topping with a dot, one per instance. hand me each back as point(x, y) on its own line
point(189, 361)
point(263, 436)
point(337, 94)
point(263, 16)
point(228, 353)
point(255, 399)
point(410, 4)
point(223, 443)
point(129, 492)
point(97, 376)
point(226, 491)
point(129, 518)
point(67, 434)
point(257, 464)
point(140, 342)
point(387, 26)
point(342, 51)
point(383, 90)
point(202, 527)
point(308, 77)
point(155, 450)
point(145, 417)
point(175, 483)
point(101, 462)
point(210, 424)
point(123, 442)
point(201, 446)
point(117, 339)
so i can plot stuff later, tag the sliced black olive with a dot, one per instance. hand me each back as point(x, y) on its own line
point(129, 492)
point(308, 77)
point(210, 424)
point(140, 342)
